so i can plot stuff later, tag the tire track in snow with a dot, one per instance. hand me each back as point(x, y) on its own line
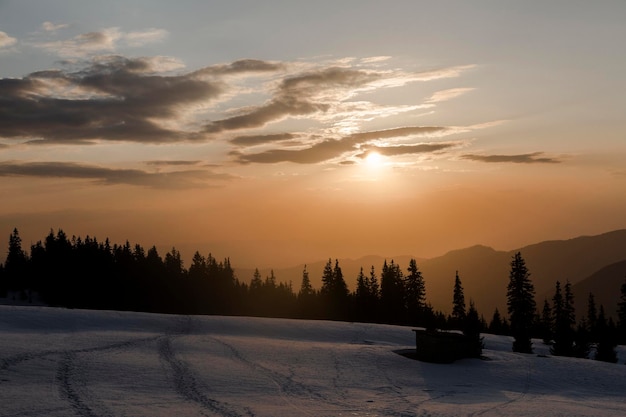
point(73, 388)
point(523, 394)
point(287, 387)
point(14, 360)
point(186, 384)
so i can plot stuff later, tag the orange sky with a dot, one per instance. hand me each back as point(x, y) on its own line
point(242, 130)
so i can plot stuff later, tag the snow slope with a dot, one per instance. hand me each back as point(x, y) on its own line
point(57, 362)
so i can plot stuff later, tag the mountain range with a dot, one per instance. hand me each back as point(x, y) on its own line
point(594, 264)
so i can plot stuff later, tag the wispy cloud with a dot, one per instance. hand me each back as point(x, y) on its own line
point(254, 140)
point(529, 158)
point(51, 27)
point(98, 42)
point(449, 94)
point(113, 98)
point(173, 179)
point(330, 149)
point(6, 40)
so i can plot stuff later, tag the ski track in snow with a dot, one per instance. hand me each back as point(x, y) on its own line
point(324, 370)
point(287, 387)
point(187, 385)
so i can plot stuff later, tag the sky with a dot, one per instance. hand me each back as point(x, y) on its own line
point(284, 132)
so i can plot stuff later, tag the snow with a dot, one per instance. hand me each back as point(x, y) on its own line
point(59, 362)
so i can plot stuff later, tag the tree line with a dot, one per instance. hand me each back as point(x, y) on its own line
point(87, 273)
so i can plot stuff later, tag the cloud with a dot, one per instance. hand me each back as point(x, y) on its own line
point(114, 98)
point(108, 176)
point(51, 27)
point(333, 148)
point(529, 158)
point(6, 40)
point(104, 41)
point(253, 140)
point(144, 37)
point(239, 67)
point(172, 163)
point(449, 94)
point(409, 149)
point(299, 95)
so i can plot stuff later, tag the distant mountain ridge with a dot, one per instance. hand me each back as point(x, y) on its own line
point(484, 271)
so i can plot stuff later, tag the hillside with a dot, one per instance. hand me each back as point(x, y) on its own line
point(483, 270)
point(605, 285)
point(71, 362)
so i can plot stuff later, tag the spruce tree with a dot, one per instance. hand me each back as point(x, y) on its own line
point(621, 315)
point(306, 289)
point(495, 326)
point(521, 304)
point(605, 348)
point(564, 321)
point(546, 323)
point(415, 293)
point(592, 316)
point(472, 327)
point(458, 302)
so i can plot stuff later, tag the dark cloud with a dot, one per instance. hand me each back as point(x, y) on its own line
point(172, 163)
point(173, 180)
point(241, 66)
point(331, 148)
point(253, 140)
point(398, 132)
point(296, 96)
point(409, 149)
point(529, 158)
point(115, 99)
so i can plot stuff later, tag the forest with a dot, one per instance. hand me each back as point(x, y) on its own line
point(90, 274)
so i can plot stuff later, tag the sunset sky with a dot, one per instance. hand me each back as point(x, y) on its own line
point(281, 132)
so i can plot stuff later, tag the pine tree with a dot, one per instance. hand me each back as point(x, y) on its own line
point(415, 293)
point(582, 341)
point(392, 293)
point(495, 326)
point(546, 324)
point(521, 304)
point(16, 264)
point(592, 316)
point(621, 315)
point(605, 348)
point(471, 329)
point(458, 302)
point(306, 289)
point(564, 321)
point(334, 291)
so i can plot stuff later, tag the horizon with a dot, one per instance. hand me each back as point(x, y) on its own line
point(243, 130)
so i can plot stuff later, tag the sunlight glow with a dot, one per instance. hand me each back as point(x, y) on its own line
point(374, 160)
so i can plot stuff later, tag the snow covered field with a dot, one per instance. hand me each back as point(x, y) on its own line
point(57, 362)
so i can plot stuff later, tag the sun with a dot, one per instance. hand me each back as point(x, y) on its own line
point(374, 160)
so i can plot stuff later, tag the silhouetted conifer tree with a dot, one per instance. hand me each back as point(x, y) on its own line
point(607, 341)
point(334, 291)
point(392, 293)
point(546, 323)
point(521, 304)
point(458, 302)
point(592, 316)
point(582, 340)
point(15, 266)
point(415, 293)
point(307, 297)
point(621, 315)
point(472, 327)
point(495, 325)
point(564, 320)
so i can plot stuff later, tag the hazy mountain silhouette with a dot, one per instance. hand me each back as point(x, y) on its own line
point(484, 272)
point(605, 285)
